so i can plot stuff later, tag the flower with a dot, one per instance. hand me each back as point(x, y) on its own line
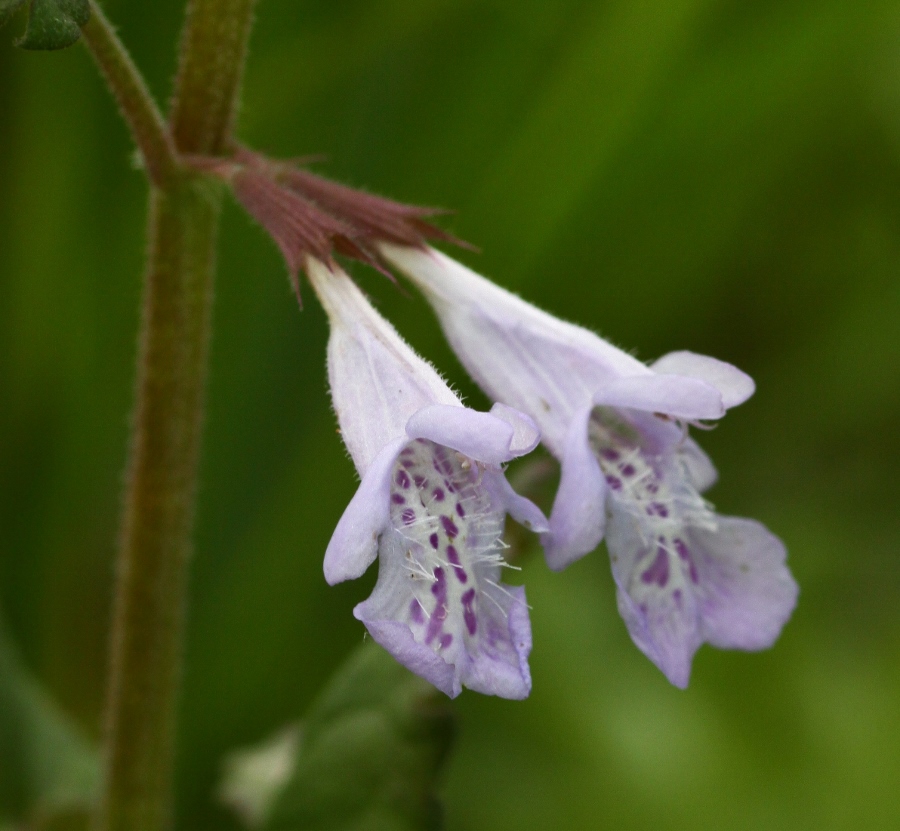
point(431, 505)
point(684, 574)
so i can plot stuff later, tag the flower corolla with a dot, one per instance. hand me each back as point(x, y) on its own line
point(430, 506)
point(684, 574)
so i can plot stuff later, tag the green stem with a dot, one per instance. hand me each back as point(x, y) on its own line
point(149, 129)
point(148, 618)
point(157, 526)
point(213, 48)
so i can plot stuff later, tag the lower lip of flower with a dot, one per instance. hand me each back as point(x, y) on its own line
point(451, 536)
point(656, 493)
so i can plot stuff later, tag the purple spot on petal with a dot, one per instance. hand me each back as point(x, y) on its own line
point(460, 510)
point(416, 612)
point(439, 494)
point(449, 526)
point(402, 479)
point(658, 572)
point(468, 599)
point(446, 640)
point(449, 486)
point(627, 470)
point(657, 509)
point(408, 516)
point(439, 615)
point(408, 463)
point(685, 553)
point(434, 540)
point(609, 454)
point(420, 481)
point(435, 624)
point(458, 570)
point(441, 463)
point(614, 482)
point(397, 498)
point(439, 588)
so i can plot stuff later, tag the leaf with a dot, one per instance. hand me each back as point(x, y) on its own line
point(370, 752)
point(7, 9)
point(54, 24)
point(46, 766)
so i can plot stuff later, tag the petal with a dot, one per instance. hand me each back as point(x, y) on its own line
point(522, 510)
point(697, 466)
point(661, 613)
point(674, 395)
point(397, 638)
point(387, 615)
point(354, 544)
point(452, 634)
point(500, 665)
point(479, 436)
point(736, 386)
point(579, 509)
point(526, 435)
point(665, 631)
point(746, 591)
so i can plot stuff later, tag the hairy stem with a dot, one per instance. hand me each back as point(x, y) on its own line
point(149, 129)
point(209, 76)
point(161, 486)
point(148, 617)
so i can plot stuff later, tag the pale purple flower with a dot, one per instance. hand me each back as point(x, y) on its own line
point(431, 505)
point(684, 574)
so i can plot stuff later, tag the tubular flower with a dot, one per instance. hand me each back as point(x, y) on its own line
point(431, 505)
point(684, 574)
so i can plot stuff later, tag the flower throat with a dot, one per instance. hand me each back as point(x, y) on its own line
point(451, 533)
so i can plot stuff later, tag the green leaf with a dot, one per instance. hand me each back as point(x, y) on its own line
point(368, 756)
point(54, 24)
point(7, 9)
point(46, 766)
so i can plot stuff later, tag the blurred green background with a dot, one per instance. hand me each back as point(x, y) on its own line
point(712, 175)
